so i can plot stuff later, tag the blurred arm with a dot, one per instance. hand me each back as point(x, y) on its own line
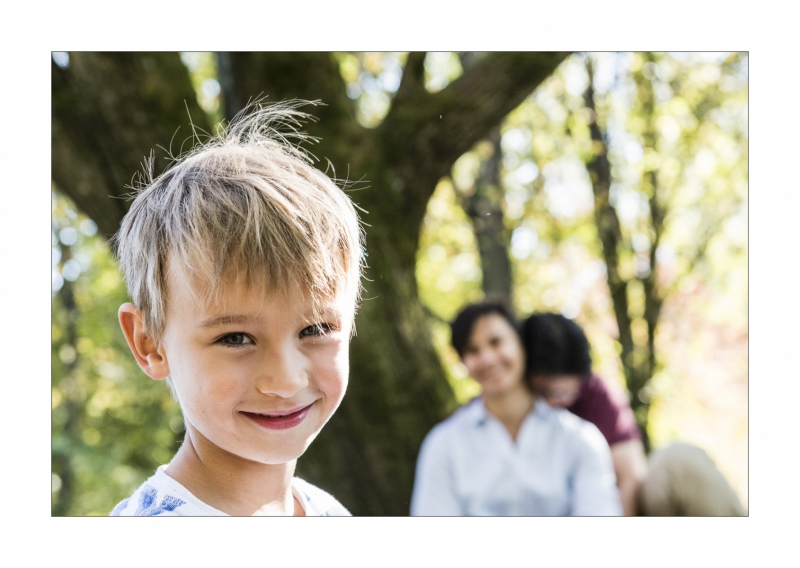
point(594, 484)
point(433, 485)
point(630, 467)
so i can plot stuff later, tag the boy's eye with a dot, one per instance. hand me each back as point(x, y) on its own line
point(235, 339)
point(316, 330)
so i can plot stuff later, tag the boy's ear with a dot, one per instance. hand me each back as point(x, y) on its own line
point(151, 357)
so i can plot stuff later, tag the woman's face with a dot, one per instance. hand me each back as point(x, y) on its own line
point(494, 356)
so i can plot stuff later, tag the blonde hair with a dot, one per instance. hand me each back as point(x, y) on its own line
point(247, 202)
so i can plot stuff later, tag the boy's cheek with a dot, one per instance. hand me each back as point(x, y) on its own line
point(196, 377)
point(343, 363)
point(337, 376)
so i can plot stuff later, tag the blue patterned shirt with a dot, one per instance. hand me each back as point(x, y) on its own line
point(162, 496)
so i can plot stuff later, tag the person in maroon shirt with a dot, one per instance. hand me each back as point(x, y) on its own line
point(682, 479)
point(559, 369)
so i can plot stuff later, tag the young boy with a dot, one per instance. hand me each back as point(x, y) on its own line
point(243, 263)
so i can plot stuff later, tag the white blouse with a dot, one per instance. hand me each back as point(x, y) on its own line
point(559, 465)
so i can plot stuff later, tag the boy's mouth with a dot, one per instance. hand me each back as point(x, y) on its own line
point(279, 420)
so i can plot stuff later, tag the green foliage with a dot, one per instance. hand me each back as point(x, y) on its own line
point(448, 276)
point(203, 72)
point(372, 78)
point(441, 69)
point(111, 424)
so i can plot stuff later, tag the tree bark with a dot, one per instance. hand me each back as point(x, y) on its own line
point(62, 462)
point(110, 110)
point(652, 291)
point(609, 232)
point(366, 455)
point(485, 208)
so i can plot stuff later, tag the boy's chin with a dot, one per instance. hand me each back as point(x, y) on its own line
point(280, 456)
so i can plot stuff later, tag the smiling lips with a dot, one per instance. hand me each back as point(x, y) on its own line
point(279, 421)
point(494, 374)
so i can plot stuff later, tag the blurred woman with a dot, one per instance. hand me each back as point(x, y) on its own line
point(505, 452)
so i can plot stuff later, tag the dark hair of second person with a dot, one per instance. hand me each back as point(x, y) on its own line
point(555, 345)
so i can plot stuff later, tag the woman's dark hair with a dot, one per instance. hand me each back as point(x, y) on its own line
point(461, 328)
point(555, 345)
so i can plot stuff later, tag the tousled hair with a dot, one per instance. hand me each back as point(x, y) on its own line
point(247, 203)
point(555, 345)
point(461, 327)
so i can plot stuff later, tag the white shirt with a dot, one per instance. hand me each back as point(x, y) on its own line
point(559, 465)
point(163, 496)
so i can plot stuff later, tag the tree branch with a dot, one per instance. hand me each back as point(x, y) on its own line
point(96, 148)
point(485, 210)
point(607, 221)
point(610, 234)
point(428, 132)
point(308, 76)
point(413, 81)
point(470, 58)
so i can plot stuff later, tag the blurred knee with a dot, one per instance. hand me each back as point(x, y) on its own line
point(684, 481)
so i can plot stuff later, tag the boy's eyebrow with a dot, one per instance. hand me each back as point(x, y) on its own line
point(227, 320)
point(331, 310)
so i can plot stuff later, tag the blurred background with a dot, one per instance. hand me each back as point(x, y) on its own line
point(609, 187)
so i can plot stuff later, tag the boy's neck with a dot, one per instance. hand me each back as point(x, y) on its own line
point(232, 484)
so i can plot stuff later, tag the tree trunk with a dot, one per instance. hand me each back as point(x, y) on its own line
point(639, 360)
point(485, 209)
point(366, 455)
point(610, 233)
point(653, 299)
point(61, 460)
point(110, 110)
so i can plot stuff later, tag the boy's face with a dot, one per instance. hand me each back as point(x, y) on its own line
point(255, 376)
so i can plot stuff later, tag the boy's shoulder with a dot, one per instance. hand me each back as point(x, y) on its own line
point(317, 502)
point(162, 496)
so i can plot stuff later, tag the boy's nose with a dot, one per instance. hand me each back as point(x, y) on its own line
point(283, 373)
